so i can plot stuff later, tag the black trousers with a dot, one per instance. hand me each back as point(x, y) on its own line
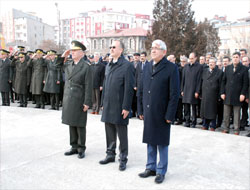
point(5, 98)
point(134, 105)
point(23, 99)
point(244, 118)
point(77, 138)
point(111, 132)
point(39, 100)
point(220, 110)
point(187, 114)
point(54, 100)
point(179, 112)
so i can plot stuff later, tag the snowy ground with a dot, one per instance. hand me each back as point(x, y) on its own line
point(33, 142)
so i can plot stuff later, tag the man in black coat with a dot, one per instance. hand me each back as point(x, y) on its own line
point(244, 106)
point(211, 82)
point(116, 101)
point(233, 92)
point(5, 77)
point(157, 102)
point(190, 88)
point(98, 71)
point(77, 97)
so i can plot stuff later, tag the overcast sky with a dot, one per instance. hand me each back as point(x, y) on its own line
point(46, 9)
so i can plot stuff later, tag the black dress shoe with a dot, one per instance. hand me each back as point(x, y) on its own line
point(159, 178)
point(71, 152)
point(81, 155)
point(147, 173)
point(122, 165)
point(192, 126)
point(37, 106)
point(187, 125)
point(107, 159)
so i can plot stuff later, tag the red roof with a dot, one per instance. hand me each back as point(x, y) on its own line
point(123, 32)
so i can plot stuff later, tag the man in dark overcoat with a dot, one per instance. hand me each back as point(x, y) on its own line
point(21, 80)
point(190, 88)
point(211, 82)
point(52, 80)
point(158, 99)
point(98, 70)
point(116, 101)
point(233, 91)
point(5, 77)
point(77, 97)
point(38, 65)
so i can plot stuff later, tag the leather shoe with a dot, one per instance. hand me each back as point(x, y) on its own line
point(122, 166)
point(147, 173)
point(159, 178)
point(81, 155)
point(187, 125)
point(71, 152)
point(107, 159)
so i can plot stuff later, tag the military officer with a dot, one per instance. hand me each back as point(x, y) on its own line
point(77, 97)
point(5, 77)
point(21, 83)
point(38, 65)
point(52, 81)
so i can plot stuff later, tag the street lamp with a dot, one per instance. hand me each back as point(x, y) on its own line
point(59, 26)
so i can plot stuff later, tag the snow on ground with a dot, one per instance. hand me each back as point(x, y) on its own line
point(33, 142)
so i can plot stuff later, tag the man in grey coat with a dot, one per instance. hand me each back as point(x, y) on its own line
point(38, 65)
point(52, 80)
point(77, 97)
point(116, 101)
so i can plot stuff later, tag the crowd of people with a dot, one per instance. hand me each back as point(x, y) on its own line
point(211, 89)
point(160, 91)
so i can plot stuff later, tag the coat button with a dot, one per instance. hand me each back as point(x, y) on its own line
point(147, 106)
point(149, 91)
point(71, 88)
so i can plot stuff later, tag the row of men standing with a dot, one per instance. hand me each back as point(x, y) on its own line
point(30, 72)
point(215, 88)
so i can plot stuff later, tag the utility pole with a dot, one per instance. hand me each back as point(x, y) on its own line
point(59, 26)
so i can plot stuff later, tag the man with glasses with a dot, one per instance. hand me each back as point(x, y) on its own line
point(157, 102)
point(116, 102)
point(77, 97)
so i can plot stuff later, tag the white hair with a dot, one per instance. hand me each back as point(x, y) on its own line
point(162, 44)
point(213, 59)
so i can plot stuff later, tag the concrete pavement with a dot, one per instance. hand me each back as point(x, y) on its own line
point(33, 142)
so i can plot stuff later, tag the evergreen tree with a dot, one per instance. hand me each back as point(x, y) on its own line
point(174, 23)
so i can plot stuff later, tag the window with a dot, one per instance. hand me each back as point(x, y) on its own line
point(130, 43)
point(94, 44)
point(102, 44)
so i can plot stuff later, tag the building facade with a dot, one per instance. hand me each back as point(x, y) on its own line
point(133, 39)
point(25, 29)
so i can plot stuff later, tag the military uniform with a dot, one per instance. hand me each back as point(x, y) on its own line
point(5, 78)
point(52, 82)
point(21, 82)
point(38, 69)
point(77, 93)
